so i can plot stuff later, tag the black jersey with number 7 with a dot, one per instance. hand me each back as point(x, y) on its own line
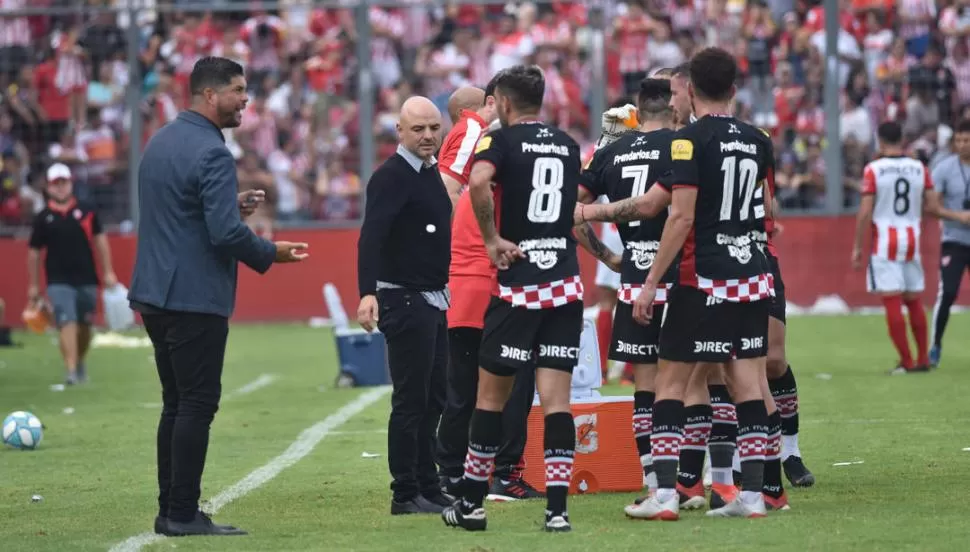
point(537, 181)
point(728, 162)
point(628, 168)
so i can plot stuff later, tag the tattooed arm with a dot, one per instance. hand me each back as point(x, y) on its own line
point(587, 238)
point(483, 201)
point(502, 252)
point(641, 207)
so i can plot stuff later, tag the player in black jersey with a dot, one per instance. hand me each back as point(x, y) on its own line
point(538, 313)
point(718, 312)
point(625, 168)
point(706, 398)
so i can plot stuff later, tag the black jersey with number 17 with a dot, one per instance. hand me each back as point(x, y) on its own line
point(728, 162)
point(628, 168)
point(537, 170)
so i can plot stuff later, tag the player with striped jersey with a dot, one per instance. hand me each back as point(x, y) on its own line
point(895, 192)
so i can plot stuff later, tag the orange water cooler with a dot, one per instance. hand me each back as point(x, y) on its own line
point(606, 454)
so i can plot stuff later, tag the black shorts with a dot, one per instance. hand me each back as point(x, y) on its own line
point(700, 328)
point(633, 342)
point(778, 304)
point(517, 338)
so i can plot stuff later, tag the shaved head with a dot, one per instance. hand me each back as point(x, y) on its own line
point(419, 127)
point(466, 97)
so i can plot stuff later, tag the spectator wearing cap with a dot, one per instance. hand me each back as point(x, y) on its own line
point(69, 233)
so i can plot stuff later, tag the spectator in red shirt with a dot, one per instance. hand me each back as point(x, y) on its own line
point(55, 102)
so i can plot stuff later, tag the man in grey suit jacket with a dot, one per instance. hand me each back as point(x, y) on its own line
point(190, 238)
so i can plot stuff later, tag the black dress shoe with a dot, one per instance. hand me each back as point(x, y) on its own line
point(404, 507)
point(160, 524)
point(442, 499)
point(201, 525)
point(417, 505)
point(429, 507)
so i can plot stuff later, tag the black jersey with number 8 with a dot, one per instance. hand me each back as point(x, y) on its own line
point(537, 170)
point(729, 162)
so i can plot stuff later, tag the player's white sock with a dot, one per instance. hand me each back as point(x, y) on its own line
point(789, 447)
point(664, 495)
point(736, 464)
point(750, 497)
point(722, 476)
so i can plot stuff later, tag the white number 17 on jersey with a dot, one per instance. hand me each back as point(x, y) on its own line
point(743, 174)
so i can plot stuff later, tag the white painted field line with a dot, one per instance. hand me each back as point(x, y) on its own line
point(304, 444)
point(360, 432)
point(255, 385)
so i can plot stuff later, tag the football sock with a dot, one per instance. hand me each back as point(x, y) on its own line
point(724, 434)
point(752, 438)
point(785, 392)
point(697, 431)
point(560, 448)
point(604, 333)
point(917, 323)
point(668, 431)
point(484, 438)
point(773, 484)
point(642, 426)
point(897, 329)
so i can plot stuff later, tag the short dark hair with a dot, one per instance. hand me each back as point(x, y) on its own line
point(963, 125)
point(621, 101)
point(713, 72)
point(523, 85)
point(682, 70)
point(891, 133)
point(490, 87)
point(213, 72)
point(653, 100)
point(663, 73)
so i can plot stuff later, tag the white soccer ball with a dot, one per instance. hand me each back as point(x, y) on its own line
point(22, 430)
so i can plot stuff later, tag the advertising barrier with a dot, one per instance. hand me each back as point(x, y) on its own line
point(814, 253)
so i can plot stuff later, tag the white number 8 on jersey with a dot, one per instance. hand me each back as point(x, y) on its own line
point(545, 201)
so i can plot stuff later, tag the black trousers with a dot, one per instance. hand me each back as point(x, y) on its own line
point(954, 262)
point(189, 353)
point(417, 350)
point(462, 394)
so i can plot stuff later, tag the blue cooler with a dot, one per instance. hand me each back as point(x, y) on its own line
point(363, 358)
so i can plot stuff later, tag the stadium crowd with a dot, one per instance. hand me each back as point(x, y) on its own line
point(65, 83)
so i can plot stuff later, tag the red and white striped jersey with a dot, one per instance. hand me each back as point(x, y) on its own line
point(14, 31)
point(459, 145)
point(898, 184)
point(633, 38)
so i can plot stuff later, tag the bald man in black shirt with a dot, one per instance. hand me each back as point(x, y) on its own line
point(402, 270)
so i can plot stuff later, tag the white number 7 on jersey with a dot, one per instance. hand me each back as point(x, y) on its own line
point(748, 173)
point(545, 201)
point(639, 174)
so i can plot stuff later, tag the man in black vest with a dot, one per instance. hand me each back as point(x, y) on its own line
point(402, 271)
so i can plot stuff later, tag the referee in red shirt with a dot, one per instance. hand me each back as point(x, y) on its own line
point(70, 232)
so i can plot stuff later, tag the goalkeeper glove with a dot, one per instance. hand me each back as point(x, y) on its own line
point(616, 122)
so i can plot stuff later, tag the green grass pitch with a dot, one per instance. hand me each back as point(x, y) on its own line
point(95, 467)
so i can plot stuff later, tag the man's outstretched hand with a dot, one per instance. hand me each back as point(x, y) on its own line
point(290, 252)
